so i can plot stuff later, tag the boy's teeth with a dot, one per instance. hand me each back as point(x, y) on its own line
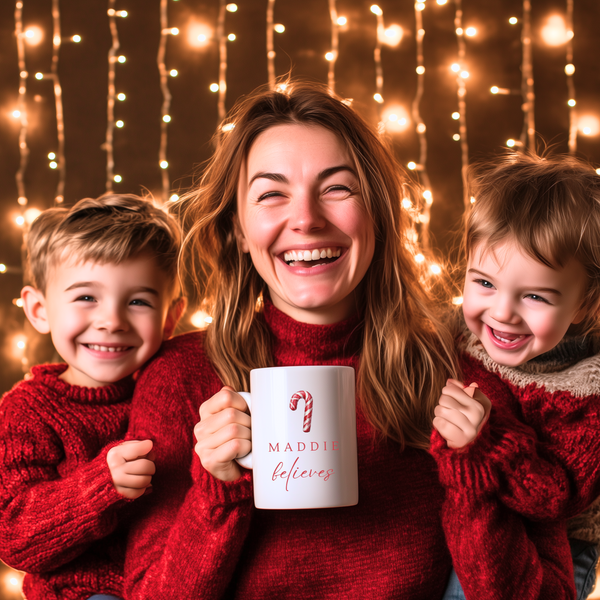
point(507, 338)
point(106, 348)
point(309, 255)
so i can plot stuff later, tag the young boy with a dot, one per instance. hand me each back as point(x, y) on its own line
point(530, 301)
point(104, 285)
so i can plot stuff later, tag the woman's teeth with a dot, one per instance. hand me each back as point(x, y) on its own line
point(107, 348)
point(310, 255)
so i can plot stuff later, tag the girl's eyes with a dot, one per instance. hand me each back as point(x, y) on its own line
point(537, 298)
point(140, 302)
point(484, 283)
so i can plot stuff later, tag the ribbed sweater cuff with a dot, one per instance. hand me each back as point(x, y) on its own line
point(225, 492)
point(102, 491)
point(477, 468)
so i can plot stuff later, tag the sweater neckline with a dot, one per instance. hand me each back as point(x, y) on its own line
point(296, 343)
point(49, 376)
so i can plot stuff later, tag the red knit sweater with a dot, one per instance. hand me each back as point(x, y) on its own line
point(199, 537)
point(57, 500)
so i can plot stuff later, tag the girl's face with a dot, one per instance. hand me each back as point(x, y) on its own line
point(301, 217)
point(517, 306)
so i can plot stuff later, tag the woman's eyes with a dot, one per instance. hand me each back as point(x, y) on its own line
point(269, 195)
point(332, 189)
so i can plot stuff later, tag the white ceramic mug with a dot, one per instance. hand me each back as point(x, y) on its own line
point(303, 437)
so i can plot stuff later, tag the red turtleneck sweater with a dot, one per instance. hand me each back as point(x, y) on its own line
point(198, 537)
point(58, 505)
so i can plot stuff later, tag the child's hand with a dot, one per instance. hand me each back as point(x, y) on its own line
point(223, 434)
point(461, 413)
point(131, 467)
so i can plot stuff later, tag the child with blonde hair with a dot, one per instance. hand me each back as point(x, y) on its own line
point(103, 283)
point(530, 303)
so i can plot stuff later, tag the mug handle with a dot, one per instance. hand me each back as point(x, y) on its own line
point(246, 461)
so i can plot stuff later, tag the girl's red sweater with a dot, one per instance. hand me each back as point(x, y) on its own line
point(198, 537)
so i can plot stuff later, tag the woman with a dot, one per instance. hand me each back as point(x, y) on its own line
point(295, 171)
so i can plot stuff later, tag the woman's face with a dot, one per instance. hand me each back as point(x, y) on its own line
point(301, 218)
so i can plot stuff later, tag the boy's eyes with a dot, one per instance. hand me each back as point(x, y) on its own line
point(85, 298)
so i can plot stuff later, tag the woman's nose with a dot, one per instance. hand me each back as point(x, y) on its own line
point(306, 214)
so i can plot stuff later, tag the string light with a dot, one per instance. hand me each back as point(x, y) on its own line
point(333, 55)
point(461, 93)
point(376, 10)
point(527, 91)
point(166, 96)
point(569, 70)
point(420, 126)
point(23, 75)
point(222, 38)
point(270, 47)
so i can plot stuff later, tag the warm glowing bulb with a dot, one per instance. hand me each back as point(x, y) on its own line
point(39, 76)
point(53, 164)
point(231, 37)
point(173, 31)
point(121, 96)
point(472, 199)
point(20, 346)
point(172, 73)
point(20, 220)
point(428, 196)
point(598, 171)
point(589, 125)
point(17, 302)
point(455, 67)
point(435, 269)
point(198, 35)
point(174, 198)
point(200, 319)
point(513, 20)
point(279, 28)
point(33, 36)
point(228, 127)
point(456, 116)
point(494, 89)
point(572, 102)
point(510, 143)
point(120, 124)
point(412, 165)
point(459, 31)
point(76, 38)
point(421, 128)
point(555, 31)
point(329, 56)
point(16, 114)
point(442, 2)
point(471, 31)
point(31, 214)
point(376, 10)
point(51, 155)
point(456, 137)
point(2, 268)
point(122, 59)
point(406, 203)
point(378, 98)
point(22, 200)
point(420, 5)
point(419, 258)
point(214, 87)
point(457, 300)
point(231, 7)
point(118, 178)
point(342, 21)
point(420, 69)
point(164, 164)
point(569, 69)
point(464, 74)
point(392, 36)
point(167, 118)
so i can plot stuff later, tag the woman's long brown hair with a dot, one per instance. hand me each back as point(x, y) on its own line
point(407, 352)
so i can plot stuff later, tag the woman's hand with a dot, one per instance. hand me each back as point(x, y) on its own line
point(131, 466)
point(461, 413)
point(223, 434)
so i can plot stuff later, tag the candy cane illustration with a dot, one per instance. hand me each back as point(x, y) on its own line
point(308, 408)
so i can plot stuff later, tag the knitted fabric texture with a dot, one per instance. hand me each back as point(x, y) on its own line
point(57, 500)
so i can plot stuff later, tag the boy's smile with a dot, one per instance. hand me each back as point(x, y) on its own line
point(107, 320)
point(517, 306)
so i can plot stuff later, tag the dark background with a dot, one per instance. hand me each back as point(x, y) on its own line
point(493, 57)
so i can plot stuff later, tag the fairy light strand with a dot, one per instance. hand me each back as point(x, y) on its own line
point(376, 10)
point(462, 100)
point(60, 124)
point(222, 38)
point(527, 91)
point(110, 104)
point(334, 44)
point(166, 95)
point(23, 75)
point(570, 83)
point(270, 47)
point(420, 128)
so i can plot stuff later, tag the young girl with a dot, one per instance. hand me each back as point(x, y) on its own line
point(300, 173)
point(530, 303)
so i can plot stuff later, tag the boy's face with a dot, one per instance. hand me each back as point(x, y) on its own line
point(107, 320)
point(518, 307)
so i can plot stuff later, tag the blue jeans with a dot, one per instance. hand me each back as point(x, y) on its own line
point(585, 557)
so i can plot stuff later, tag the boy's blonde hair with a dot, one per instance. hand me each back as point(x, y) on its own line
point(108, 229)
point(549, 206)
